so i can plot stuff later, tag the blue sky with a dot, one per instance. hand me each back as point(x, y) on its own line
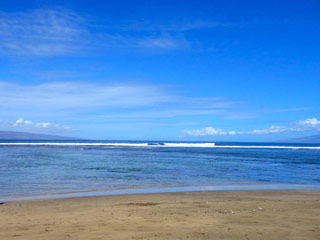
point(161, 70)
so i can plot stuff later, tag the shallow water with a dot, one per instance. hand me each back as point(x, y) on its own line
point(38, 170)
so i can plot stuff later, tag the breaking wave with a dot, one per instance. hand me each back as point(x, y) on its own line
point(153, 144)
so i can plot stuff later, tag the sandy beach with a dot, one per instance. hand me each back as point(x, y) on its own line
point(190, 215)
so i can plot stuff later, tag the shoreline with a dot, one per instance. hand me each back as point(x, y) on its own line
point(254, 214)
point(168, 189)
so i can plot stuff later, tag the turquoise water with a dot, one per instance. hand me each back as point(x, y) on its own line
point(38, 170)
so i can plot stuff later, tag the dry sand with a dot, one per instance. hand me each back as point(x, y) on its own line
point(276, 215)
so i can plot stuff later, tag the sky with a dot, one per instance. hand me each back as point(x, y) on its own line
point(161, 70)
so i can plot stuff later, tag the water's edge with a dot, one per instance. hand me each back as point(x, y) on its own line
point(243, 187)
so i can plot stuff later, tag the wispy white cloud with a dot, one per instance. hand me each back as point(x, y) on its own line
point(77, 95)
point(105, 102)
point(48, 32)
point(61, 31)
point(158, 36)
point(272, 129)
point(309, 124)
point(163, 42)
point(208, 131)
point(175, 26)
point(280, 110)
point(20, 122)
point(29, 125)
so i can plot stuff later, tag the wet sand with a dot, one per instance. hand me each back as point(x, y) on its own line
point(190, 215)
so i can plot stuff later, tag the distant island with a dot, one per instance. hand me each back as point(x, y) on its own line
point(308, 139)
point(12, 135)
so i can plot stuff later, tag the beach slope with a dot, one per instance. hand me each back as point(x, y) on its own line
point(191, 215)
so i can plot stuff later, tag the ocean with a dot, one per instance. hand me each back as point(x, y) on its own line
point(31, 169)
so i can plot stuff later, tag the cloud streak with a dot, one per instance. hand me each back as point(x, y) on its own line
point(163, 43)
point(309, 124)
point(105, 102)
point(182, 26)
point(42, 32)
point(62, 32)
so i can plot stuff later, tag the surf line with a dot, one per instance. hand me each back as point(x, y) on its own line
point(198, 145)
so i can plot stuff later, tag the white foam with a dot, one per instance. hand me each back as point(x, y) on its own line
point(208, 145)
point(198, 145)
point(268, 147)
point(212, 145)
point(110, 144)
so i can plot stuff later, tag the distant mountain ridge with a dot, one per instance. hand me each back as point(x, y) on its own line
point(12, 135)
point(308, 139)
